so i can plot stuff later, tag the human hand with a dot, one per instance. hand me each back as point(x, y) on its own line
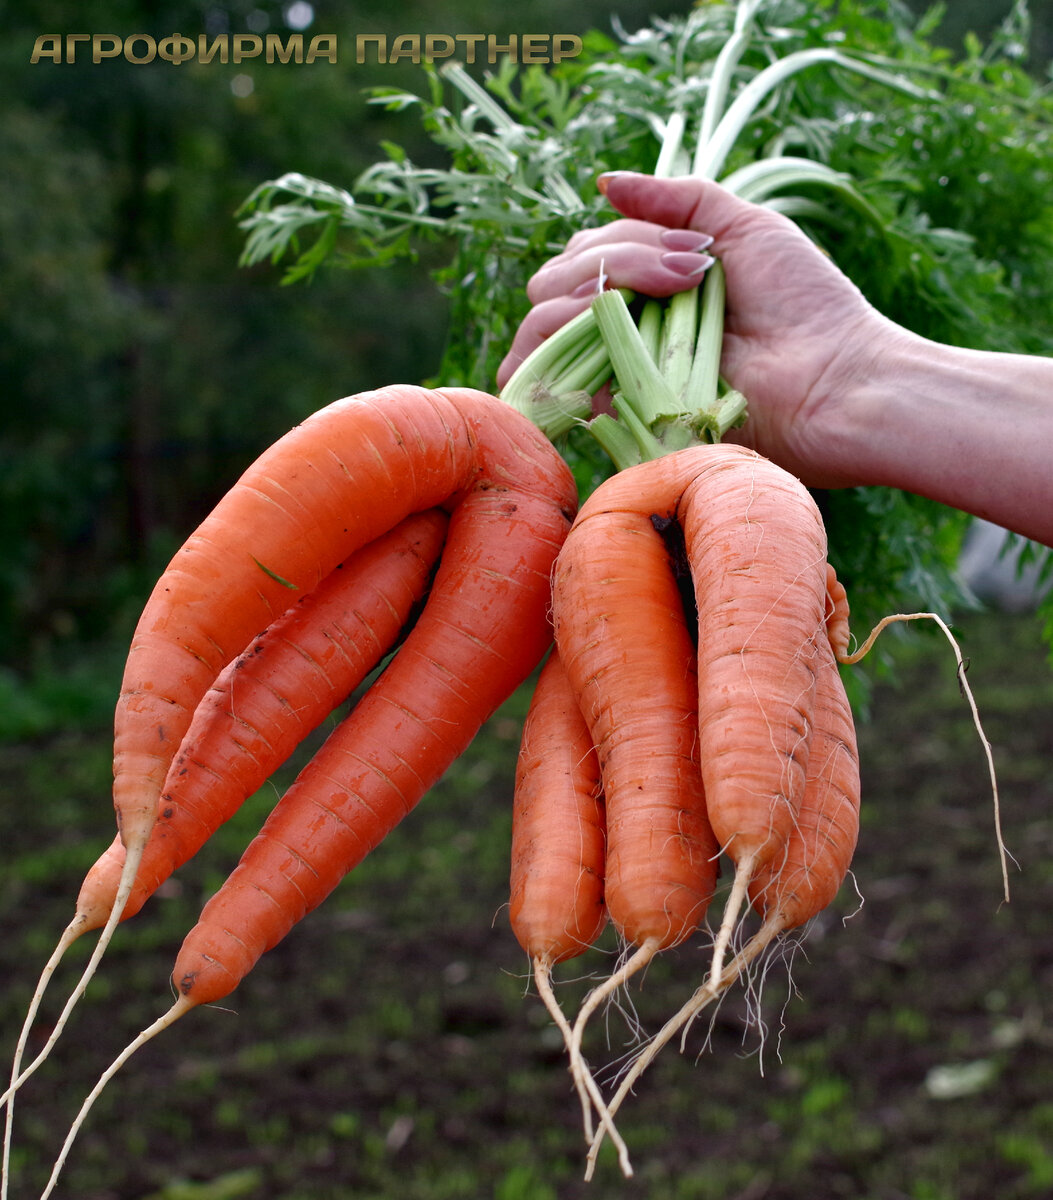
point(798, 334)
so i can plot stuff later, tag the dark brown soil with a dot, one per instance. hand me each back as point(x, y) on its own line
point(392, 1047)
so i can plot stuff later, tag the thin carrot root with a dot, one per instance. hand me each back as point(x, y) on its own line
point(587, 1089)
point(124, 891)
point(713, 988)
point(579, 1070)
point(182, 1006)
point(894, 618)
point(69, 935)
point(729, 918)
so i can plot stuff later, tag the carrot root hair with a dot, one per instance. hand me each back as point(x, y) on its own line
point(710, 991)
point(131, 866)
point(69, 935)
point(729, 917)
point(962, 666)
point(579, 1069)
point(587, 1089)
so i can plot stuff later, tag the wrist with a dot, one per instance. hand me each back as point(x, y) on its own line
point(964, 427)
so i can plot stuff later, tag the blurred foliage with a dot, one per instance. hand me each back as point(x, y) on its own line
point(955, 162)
point(144, 370)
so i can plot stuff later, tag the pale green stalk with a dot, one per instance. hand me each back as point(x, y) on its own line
point(650, 326)
point(712, 153)
point(638, 376)
point(724, 68)
point(705, 366)
point(677, 345)
point(758, 181)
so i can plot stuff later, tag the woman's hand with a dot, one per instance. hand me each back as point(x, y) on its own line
point(798, 333)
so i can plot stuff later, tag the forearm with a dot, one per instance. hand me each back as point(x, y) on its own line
point(969, 428)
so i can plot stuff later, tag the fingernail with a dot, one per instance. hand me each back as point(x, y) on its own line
point(685, 263)
point(606, 177)
point(685, 239)
point(590, 287)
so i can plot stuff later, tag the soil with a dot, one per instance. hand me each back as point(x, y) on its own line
point(392, 1047)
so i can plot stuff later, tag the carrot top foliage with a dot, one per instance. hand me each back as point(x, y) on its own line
point(945, 225)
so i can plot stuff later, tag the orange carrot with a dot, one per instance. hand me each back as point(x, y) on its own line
point(259, 709)
point(624, 642)
point(556, 903)
point(757, 548)
point(791, 890)
point(482, 631)
point(558, 827)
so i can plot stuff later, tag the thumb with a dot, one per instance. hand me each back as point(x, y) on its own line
point(682, 202)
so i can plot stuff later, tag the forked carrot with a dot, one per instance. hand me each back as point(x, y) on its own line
point(757, 548)
point(790, 890)
point(556, 905)
point(624, 642)
point(259, 709)
point(482, 631)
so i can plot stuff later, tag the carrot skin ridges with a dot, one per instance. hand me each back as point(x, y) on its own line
point(793, 889)
point(556, 904)
point(482, 631)
point(262, 705)
point(346, 475)
point(758, 551)
point(624, 643)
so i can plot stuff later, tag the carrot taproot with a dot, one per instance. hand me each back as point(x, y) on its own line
point(757, 548)
point(483, 629)
point(556, 905)
point(792, 889)
point(261, 706)
point(623, 638)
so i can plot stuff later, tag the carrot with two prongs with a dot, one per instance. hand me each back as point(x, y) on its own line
point(483, 629)
point(757, 546)
point(261, 706)
point(788, 891)
point(624, 642)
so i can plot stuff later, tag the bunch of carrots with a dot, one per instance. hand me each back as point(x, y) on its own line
point(427, 521)
point(691, 705)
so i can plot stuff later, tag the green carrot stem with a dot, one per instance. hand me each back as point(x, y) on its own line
point(639, 379)
point(617, 440)
point(650, 326)
point(677, 344)
point(705, 366)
